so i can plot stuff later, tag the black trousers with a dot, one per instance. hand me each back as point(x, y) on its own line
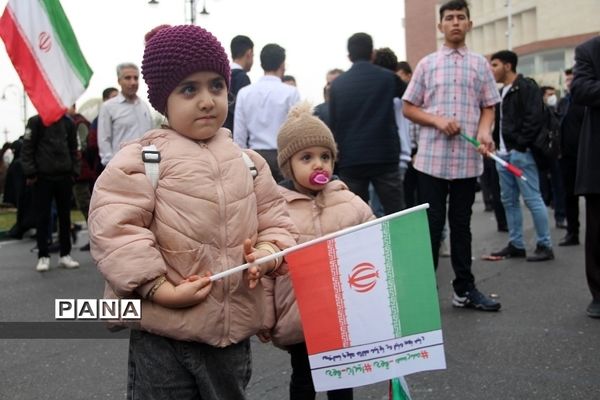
point(388, 185)
point(461, 195)
point(46, 190)
point(568, 169)
point(592, 238)
point(410, 186)
point(301, 384)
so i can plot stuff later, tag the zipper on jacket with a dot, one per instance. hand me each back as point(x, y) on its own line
point(316, 212)
point(223, 237)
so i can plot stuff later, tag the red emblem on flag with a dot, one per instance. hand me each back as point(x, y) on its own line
point(363, 277)
point(45, 42)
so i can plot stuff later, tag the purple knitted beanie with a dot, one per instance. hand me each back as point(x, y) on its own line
point(174, 52)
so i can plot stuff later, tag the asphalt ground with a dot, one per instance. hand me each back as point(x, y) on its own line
point(541, 345)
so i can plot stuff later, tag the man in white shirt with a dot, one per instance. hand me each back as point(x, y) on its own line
point(124, 117)
point(262, 107)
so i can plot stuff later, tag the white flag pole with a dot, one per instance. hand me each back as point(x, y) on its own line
point(320, 239)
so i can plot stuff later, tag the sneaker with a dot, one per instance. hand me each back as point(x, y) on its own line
point(85, 247)
point(444, 250)
point(510, 251)
point(67, 262)
point(475, 299)
point(593, 310)
point(43, 264)
point(541, 253)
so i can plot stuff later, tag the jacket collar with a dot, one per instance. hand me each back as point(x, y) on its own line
point(235, 65)
point(360, 63)
point(516, 85)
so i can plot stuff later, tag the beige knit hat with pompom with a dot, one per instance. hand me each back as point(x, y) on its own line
point(301, 130)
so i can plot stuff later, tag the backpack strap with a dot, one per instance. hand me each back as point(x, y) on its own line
point(151, 158)
point(250, 165)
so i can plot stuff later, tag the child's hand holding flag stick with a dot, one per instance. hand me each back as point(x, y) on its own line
point(509, 167)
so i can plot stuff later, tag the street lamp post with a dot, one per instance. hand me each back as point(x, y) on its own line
point(509, 27)
point(24, 99)
point(192, 4)
point(192, 9)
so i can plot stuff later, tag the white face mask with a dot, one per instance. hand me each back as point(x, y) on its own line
point(551, 100)
point(8, 157)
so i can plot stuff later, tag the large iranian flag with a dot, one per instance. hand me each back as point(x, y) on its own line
point(44, 51)
point(368, 302)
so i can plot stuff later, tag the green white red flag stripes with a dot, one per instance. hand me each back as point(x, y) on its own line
point(368, 302)
point(44, 51)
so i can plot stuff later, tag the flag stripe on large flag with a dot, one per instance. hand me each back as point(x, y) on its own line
point(414, 281)
point(24, 61)
point(322, 281)
point(388, 265)
point(68, 40)
point(45, 53)
point(365, 285)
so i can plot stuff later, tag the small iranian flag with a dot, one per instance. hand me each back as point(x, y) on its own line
point(368, 302)
point(44, 51)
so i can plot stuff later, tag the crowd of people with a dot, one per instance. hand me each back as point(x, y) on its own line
point(240, 170)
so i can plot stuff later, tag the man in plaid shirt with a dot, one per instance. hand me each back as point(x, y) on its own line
point(453, 91)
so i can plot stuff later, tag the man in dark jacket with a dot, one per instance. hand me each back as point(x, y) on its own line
point(50, 164)
point(518, 120)
point(322, 110)
point(571, 117)
point(585, 90)
point(18, 193)
point(363, 122)
point(242, 54)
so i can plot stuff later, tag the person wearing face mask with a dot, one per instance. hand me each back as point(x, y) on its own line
point(551, 183)
point(549, 95)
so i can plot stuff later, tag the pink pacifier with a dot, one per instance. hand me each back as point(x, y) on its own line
point(319, 178)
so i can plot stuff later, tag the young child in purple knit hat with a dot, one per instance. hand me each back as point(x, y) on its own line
point(207, 212)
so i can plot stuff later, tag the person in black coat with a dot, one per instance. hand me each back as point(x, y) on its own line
point(242, 54)
point(16, 192)
point(322, 110)
point(363, 122)
point(50, 164)
point(571, 117)
point(585, 90)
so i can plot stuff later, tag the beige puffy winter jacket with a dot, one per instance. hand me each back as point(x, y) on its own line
point(205, 205)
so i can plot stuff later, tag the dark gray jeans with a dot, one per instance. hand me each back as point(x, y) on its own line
point(161, 368)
